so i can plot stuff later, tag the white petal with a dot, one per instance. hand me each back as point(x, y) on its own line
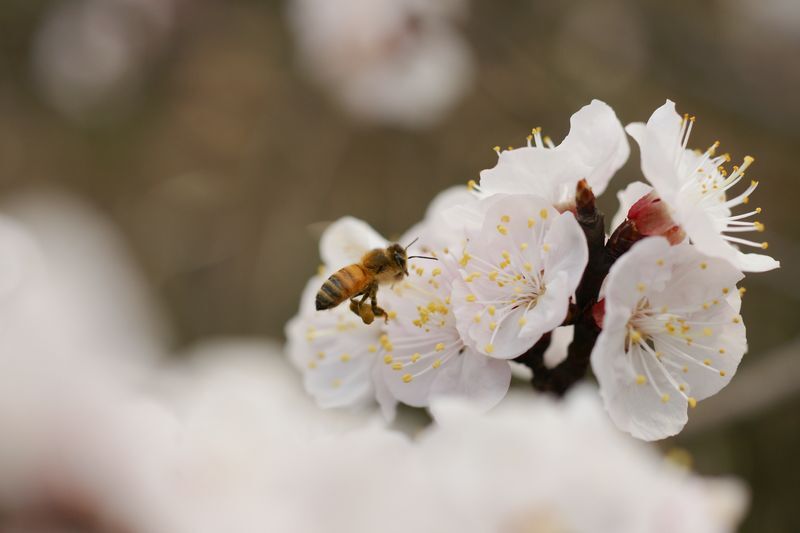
point(656, 143)
point(595, 149)
point(636, 271)
point(550, 310)
point(437, 231)
point(346, 240)
point(627, 197)
point(568, 252)
point(482, 380)
point(559, 345)
point(597, 139)
point(636, 408)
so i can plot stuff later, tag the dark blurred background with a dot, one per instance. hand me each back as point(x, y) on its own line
point(219, 159)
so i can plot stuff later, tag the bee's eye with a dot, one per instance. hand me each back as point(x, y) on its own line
point(399, 259)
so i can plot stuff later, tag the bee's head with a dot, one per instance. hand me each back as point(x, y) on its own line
point(399, 257)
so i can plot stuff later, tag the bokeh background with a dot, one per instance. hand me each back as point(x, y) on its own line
point(193, 126)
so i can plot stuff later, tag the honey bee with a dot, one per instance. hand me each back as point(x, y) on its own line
point(377, 267)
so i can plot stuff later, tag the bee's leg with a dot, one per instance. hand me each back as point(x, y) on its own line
point(355, 306)
point(377, 311)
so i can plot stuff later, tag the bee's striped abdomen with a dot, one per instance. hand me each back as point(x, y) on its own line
point(343, 284)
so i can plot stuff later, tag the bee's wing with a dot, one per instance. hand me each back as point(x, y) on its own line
point(346, 240)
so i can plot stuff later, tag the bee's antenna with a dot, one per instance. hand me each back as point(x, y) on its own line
point(412, 242)
point(422, 257)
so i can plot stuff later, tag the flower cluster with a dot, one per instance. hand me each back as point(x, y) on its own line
point(523, 255)
point(104, 430)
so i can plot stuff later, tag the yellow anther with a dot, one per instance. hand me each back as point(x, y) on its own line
point(465, 259)
point(722, 351)
point(531, 222)
point(415, 357)
point(471, 297)
point(407, 378)
point(641, 380)
point(543, 214)
point(471, 185)
point(477, 318)
point(523, 246)
point(522, 321)
point(437, 363)
point(703, 265)
point(664, 398)
point(321, 355)
point(708, 332)
point(492, 326)
point(722, 373)
point(387, 358)
point(759, 226)
point(685, 369)
point(506, 255)
point(726, 290)
point(493, 275)
point(641, 287)
point(344, 357)
point(546, 247)
point(707, 362)
point(436, 271)
point(491, 309)
point(736, 319)
point(336, 383)
point(764, 245)
point(397, 365)
point(636, 337)
point(682, 387)
point(670, 327)
point(505, 218)
point(692, 402)
point(502, 229)
point(745, 199)
point(489, 348)
point(706, 305)
point(496, 149)
point(758, 210)
point(660, 262)
point(391, 314)
point(439, 347)
point(312, 365)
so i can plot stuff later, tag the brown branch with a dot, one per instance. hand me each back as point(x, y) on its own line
point(602, 255)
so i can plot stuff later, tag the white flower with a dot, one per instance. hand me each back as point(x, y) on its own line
point(546, 465)
point(395, 61)
point(671, 336)
point(595, 149)
point(336, 352)
point(519, 271)
point(695, 186)
point(426, 356)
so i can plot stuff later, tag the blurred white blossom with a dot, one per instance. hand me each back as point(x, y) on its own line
point(400, 62)
point(92, 55)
